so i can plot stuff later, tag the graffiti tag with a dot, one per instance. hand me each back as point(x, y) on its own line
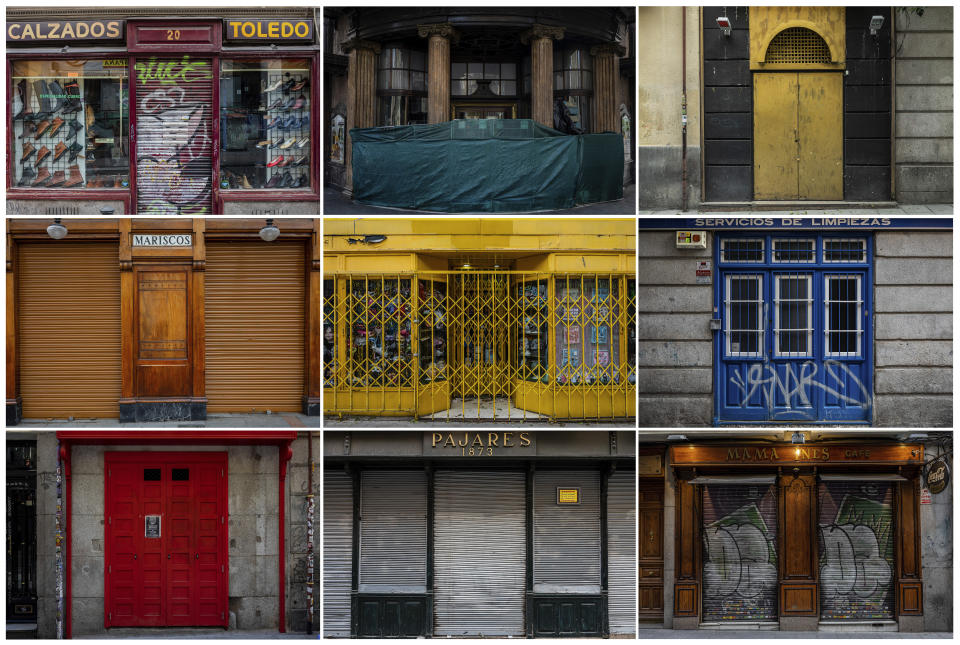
point(173, 72)
point(765, 379)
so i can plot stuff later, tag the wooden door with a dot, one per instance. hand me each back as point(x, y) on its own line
point(650, 548)
point(798, 136)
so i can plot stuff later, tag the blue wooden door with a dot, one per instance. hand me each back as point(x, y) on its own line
point(794, 344)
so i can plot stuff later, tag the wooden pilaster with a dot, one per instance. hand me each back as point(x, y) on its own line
point(361, 94)
point(438, 68)
point(541, 39)
point(605, 76)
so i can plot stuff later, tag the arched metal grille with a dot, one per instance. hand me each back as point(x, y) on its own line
point(798, 45)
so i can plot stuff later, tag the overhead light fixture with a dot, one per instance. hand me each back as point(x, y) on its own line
point(725, 25)
point(876, 24)
point(57, 230)
point(917, 436)
point(269, 232)
point(798, 437)
point(677, 437)
point(466, 266)
point(367, 239)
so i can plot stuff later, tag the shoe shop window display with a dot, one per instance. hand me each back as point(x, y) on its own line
point(70, 125)
point(265, 124)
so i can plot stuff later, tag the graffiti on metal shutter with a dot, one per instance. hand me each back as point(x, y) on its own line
point(174, 143)
point(856, 550)
point(739, 553)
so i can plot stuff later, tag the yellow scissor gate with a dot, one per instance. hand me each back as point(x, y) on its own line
point(483, 344)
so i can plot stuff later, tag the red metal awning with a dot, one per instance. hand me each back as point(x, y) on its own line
point(195, 437)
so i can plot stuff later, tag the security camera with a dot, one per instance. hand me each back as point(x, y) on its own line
point(876, 23)
point(726, 26)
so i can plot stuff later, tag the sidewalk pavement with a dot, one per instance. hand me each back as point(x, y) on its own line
point(334, 203)
point(701, 634)
point(330, 422)
point(275, 420)
point(900, 209)
point(177, 633)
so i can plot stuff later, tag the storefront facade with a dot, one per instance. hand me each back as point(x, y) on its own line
point(487, 314)
point(174, 529)
point(796, 321)
point(112, 111)
point(402, 66)
point(550, 514)
point(161, 320)
point(830, 534)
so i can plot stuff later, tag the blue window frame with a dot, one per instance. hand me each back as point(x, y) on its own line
point(795, 343)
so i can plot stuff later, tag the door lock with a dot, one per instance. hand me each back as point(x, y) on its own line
point(168, 556)
point(134, 556)
point(197, 557)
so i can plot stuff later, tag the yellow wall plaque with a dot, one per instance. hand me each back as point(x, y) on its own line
point(568, 496)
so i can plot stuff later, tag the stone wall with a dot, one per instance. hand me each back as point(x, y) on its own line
point(936, 549)
point(297, 491)
point(913, 329)
point(923, 50)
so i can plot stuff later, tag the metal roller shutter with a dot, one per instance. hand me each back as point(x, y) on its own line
point(739, 553)
point(174, 137)
point(69, 330)
point(254, 326)
point(566, 539)
point(393, 531)
point(622, 548)
point(337, 552)
point(474, 513)
point(856, 550)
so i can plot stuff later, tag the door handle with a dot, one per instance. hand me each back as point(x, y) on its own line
point(134, 556)
point(197, 557)
point(168, 556)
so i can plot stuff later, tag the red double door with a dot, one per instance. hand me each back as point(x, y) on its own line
point(166, 539)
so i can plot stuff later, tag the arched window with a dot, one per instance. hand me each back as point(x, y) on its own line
point(798, 45)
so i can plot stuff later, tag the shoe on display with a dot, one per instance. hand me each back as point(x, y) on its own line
point(289, 142)
point(29, 129)
point(274, 122)
point(264, 143)
point(74, 127)
point(42, 94)
point(275, 104)
point(27, 177)
point(287, 181)
point(274, 87)
point(58, 94)
point(275, 162)
point(118, 181)
point(276, 143)
point(285, 162)
point(59, 149)
point(90, 118)
point(41, 128)
point(289, 85)
point(302, 181)
point(28, 150)
point(42, 154)
point(75, 149)
point(42, 176)
point(302, 142)
point(245, 182)
point(273, 181)
point(55, 126)
point(301, 102)
point(24, 102)
point(301, 85)
point(75, 178)
point(58, 178)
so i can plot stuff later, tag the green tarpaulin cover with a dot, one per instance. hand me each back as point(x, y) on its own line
point(484, 165)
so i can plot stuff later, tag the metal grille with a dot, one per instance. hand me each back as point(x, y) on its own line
point(797, 45)
point(337, 552)
point(793, 319)
point(393, 531)
point(854, 250)
point(794, 251)
point(743, 300)
point(741, 250)
point(566, 538)
point(739, 553)
point(483, 344)
point(69, 292)
point(622, 549)
point(856, 550)
point(843, 308)
point(479, 513)
point(174, 142)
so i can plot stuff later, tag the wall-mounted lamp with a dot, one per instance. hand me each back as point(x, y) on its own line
point(367, 239)
point(876, 24)
point(269, 232)
point(57, 230)
point(798, 438)
point(725, 25)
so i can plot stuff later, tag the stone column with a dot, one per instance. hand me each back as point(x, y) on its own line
point(361, 95)
point(438, 68)
point(605, 86)
point(541, 39)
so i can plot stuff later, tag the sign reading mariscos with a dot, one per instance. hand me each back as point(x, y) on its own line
point(65, 30)
point(286, 30)
point(162, 240)
point(480, 444)
point(792, 454)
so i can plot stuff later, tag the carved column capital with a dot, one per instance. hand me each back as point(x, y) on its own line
point(541, 31)
point(442, 29)
point(360, 44)
point(126, 265)
point(608, 49)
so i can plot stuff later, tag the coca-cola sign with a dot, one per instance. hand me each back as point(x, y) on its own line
point(938, 475)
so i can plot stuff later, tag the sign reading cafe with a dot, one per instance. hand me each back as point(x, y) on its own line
point(163, 240)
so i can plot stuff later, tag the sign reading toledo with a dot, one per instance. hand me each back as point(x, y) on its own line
point(480, 444)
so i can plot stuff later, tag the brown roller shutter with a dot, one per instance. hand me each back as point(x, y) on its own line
point(254, 320)
point(69, 330)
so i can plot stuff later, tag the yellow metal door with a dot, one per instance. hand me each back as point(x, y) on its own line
point(820, 122)
point(775, 138)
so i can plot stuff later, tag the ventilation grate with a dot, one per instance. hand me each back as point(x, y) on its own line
point(798, 45)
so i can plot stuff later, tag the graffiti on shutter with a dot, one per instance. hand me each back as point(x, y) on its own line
point(174, 142)
point(856, 550)
point(739, 553)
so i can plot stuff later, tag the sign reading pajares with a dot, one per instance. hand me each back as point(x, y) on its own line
point(65, 30)
point(162, 240)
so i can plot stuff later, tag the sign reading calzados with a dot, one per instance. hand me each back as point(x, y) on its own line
point(65, 30)
point(162, 240)
point(480, 444)
point(794, 454)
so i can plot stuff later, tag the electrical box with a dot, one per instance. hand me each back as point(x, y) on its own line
point(691, 239)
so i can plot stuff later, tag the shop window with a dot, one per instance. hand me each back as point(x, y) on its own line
point(151, 474)
point(467, 77)
point(432, 332)
point(794, 251)
point(534, 327)
point(845, 250)
point(329, 333)
point(588, 330)
point(378, 315)
point(632, 330)
point(741, 250)
point(70, 124)
point(180, 475)
point(573, 82)
point(793, 315)
point(744, 299)
point(844, 308)
point(526, 75)
point(265, 124)
point(401, 86)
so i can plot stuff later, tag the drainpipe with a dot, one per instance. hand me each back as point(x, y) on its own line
point(683, 109)
point(310, 508)
point(284, 454)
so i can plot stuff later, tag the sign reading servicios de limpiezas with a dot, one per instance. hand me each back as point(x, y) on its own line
point(163, 240)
